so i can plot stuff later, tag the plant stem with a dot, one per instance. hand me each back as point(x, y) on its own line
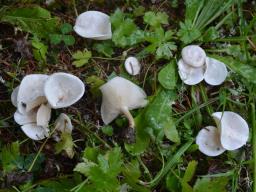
point(129, 116)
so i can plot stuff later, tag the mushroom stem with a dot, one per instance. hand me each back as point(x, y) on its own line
point(129, 116)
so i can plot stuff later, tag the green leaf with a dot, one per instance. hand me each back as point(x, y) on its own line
point(81, 58)
point(211, 34)
point(107, 130)
point(215, 184)
point(68, 40)
point(164, 51)
point(66, 28)
point(117, 18)
point(66, 144)
point(243, 69)
point(156, 19)
point(139, 11)
point(105, 48)
point(94, 83)
point(188, 33)
point(168, 76)
point(190, 171)
point(55, 39)
point(35, 20)
point(171, 132)
point(39, 50)
point(91, 153)
point(192, 8)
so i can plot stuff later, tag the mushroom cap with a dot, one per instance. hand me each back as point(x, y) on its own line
point(63, 123)
point(25, 118)
point(117, 94)
point(208, 140)
point(193, 55)
point(190, 75)
point(14, 96)
point(93, 24)
point(234, 131)
point(216, 71)
point(132, 65)
point(35, 132)
point(43, 115)
point(63, 90)
point(31, 87)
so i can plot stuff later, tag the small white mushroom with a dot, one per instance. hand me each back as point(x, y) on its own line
point(25, 118)
point(43, 115)
point(31, 87)
point(63, 90)
point(36, 103)
point(193, 55)
point(63, 123)
point(120, 96)
point(35, 132)
point(208, 141)
point(132, 65)
point(234, 130)
point(93, 24)
point(14, 96)
point(216, 72)
point(190, 75)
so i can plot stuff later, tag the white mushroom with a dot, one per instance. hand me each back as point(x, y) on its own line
point(216, 72)
point(208, 141)
point(43, 115)
point(31, 87)
point(193, 55)
point(36, 103)
point(63, 123)
point(234, 130)
point(120, 96)
point(14, 96)
point(25, 118)
point(93, 24)
point(35, 132)
point(132, 65)
point(63, 90)
point(190, 75)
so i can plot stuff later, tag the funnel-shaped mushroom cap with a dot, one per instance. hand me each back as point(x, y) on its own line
point(216, 72)
point(193, 55)
point(93, 24)
point(118, 94)
point(234, 130)
point(35, 132)
point(190, 75)
point(208, 140)
point(43, 115)
point(25, 118)
point(63, 123)
point(31, 87)
point(63, 90)
point(132, 65)
point(14, 96)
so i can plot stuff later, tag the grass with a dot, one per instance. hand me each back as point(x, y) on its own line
point(160, 160)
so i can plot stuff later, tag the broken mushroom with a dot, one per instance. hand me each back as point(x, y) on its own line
point(132, 66)
point(208, 141)
point(234, 130)
point(63, 90)
point(63, 123)
point(93, 24)
point(120, 96)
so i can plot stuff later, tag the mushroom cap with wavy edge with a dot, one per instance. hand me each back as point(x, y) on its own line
point(63, 90)
point(132, 65)
point(31, 87)
point(14, 96)
point(25, 118)
point(93, 24)
point(35, 132)
point(120, 96)
point(190, 75)
point(216, 71)
point(43, 115)
point(63, 123)
point(234, 130)
point(208, 140)
point(193, 55)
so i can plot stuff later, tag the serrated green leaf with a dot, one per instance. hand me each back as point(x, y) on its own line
point(188, 33)
point(215, 184)
point(155, 19)
point(66, 28)
point(94, 82)
point(91, 153)
point(39, 50)
point(81, 58)
point(164, 51)
point(66, 144)
point(68, 40)
point(168, 76)
point(105, 48)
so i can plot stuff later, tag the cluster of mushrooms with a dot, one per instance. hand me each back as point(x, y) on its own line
point(38, 94)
